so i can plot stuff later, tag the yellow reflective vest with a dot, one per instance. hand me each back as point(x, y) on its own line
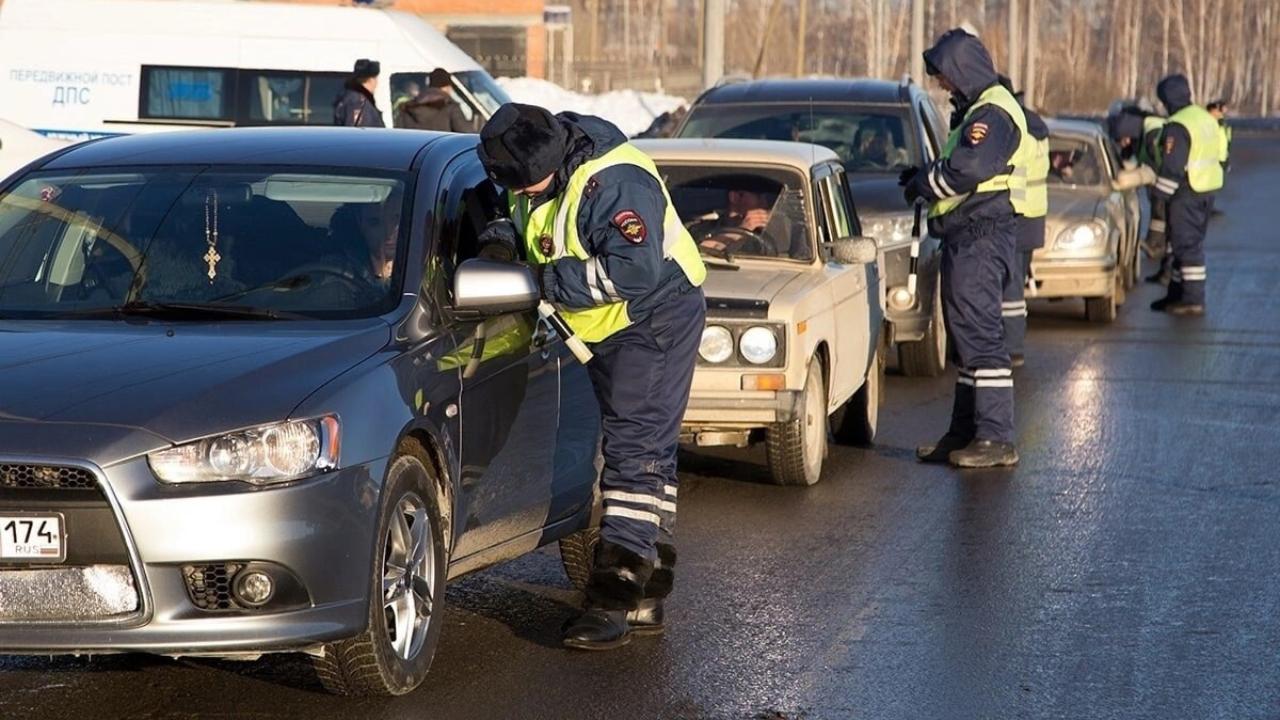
point(551, 232)
point(1015, 180)
point(1204, 168)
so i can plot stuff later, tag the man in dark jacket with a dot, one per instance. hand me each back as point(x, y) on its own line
point(590, 213)
point(355, 106)
point(975, 189)
point(434, 108)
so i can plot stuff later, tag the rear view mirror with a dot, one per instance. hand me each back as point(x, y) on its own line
point(855, 251)
point(490, 287)
point(1133, 178)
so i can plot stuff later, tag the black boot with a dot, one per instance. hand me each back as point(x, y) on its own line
point(985, 454)
point(1184, 309)
point(597, 629)
point(647, 618)
point(940, 452)
point(1162, 304)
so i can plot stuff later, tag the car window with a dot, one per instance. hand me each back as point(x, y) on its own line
point(470, 199)
point(933, 142)
point(1074, 162)
point(273, 97)
point(742, 212)
point(845, 198)
point(867, 139)
point(317, 243)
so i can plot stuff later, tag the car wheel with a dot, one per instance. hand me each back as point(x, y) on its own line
point(797, 448)
point(578, 553)
point(859, 419)
point(1100, 309)
point(928, 356)
point(406, 594)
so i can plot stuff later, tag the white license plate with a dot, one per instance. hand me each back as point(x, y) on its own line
point(32, 537)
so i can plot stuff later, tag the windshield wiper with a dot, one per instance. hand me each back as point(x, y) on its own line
point(186, 311)
point(293, 282)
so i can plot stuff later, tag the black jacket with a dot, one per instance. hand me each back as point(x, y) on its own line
point(433, 109)
point(988, 139)
point(355, 107)
point(620, 222)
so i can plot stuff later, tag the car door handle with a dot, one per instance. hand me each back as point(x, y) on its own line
point(543, 336)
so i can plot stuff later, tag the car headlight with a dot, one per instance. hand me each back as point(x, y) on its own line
point(889, 229)
point(274, 453)
point(1081, 236)
point(717, 344)
point(758, 345)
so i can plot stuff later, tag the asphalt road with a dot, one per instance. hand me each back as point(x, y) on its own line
point(1127, 569)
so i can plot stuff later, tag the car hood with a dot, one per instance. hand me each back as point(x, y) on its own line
point(877, 195)
point(749, 283)
point(177, 382)
point(1075, 203)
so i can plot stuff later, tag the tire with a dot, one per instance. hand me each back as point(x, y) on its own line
point(382, 661)
point(928, 356)
point(1100, 309)
point(858, 421)
point(577, 554)
point(797, 448)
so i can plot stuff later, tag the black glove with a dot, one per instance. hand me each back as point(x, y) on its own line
point(499, 241)
point(910, 193)
point(908, 176)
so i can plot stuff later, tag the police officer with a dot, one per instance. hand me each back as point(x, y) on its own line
point(1030, 233)
point(975, 188)
point(590, 212)
point(1190, 172)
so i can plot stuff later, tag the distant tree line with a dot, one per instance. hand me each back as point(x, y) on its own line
point(1073, 55)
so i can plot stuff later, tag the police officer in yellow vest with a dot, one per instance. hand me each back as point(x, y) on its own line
point(975, 189)
point(1190, 173)
point(591, 213)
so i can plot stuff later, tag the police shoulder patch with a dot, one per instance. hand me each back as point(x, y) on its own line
point(978, 132)
point(630, 224)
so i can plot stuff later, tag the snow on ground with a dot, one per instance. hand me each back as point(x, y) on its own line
point(19, 146)
point(630, 110)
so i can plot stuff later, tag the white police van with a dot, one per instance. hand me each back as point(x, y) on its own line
point(88, 68)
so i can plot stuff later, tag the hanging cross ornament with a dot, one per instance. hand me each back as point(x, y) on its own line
point(211, 233)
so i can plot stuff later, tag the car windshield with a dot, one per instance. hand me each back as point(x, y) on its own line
point(80, 243)
point(735, 213)
point(1074, 162)
point(484, 89)
point(868, 140)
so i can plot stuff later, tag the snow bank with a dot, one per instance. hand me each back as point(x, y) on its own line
point(630, 110)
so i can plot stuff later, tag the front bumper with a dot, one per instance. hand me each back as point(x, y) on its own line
point(1091, 277)
point(720, 410)
point(321, 530)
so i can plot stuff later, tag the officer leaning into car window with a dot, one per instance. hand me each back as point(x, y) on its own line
point(593, 216)
point(1030, 235)
point(975, 188)
point(1190, 173)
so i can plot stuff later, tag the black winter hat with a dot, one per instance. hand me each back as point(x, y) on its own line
point(366, 68)
point(439, 78)
point(522, 144)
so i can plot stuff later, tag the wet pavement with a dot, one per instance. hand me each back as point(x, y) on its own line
point(1127, 569)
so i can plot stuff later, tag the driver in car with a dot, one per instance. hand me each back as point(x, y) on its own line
point(380, 228)
point(740, 227)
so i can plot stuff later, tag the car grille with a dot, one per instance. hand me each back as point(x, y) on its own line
point(210, 585)
point(45, 476)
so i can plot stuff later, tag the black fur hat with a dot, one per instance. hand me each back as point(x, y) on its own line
point(522, 144)
point(439, 78)
point(366, 68)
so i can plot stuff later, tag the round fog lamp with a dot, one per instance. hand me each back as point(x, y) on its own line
point(717, 344)
point(759, 345)
point(901, 298)
point(254, 588)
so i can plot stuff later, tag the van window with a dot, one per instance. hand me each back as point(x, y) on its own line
point(273, 97)
point(187, 93)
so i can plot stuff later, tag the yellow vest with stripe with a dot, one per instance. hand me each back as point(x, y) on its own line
point(1015, 179)
point(1204, 169)
point(1145, 156)
point(554, 225)
point(1224, 137)
point(1037, 177)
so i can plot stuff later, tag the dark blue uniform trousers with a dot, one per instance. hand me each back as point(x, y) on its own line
point(977, 261)
point(642, 376)
point(1014, 302)
point(1188, 222)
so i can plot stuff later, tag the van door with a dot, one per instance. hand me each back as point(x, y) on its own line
point(510, 399)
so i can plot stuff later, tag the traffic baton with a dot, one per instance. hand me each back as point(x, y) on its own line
point(552, 316)
point(915, 249)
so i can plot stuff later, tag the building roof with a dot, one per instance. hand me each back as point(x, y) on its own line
point(763, 152)
point(319, 146)
point(855, 90)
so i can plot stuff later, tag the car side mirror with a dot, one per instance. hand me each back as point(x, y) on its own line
point(1133, 178)
point(855, 250)
point(492, 287)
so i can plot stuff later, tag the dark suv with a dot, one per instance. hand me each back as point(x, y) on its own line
point(878, 128)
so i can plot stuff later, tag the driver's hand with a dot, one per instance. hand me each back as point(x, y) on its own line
point(498, 241)
point(755, 220)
